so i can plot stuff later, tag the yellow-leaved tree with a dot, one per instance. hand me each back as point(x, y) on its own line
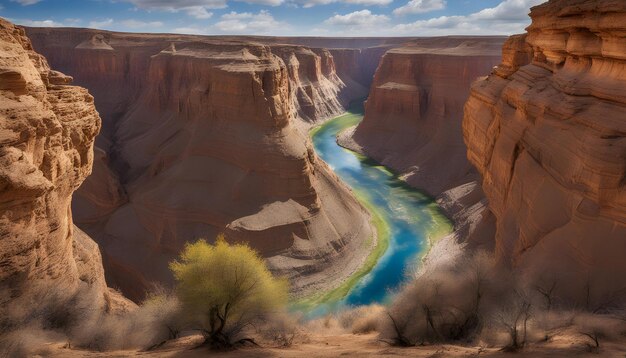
point(225, 288)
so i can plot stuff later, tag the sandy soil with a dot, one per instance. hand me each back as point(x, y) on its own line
point(350, 345)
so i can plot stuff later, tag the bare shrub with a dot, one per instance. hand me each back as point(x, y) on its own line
point(597, 329)
point(551, 323)
point(158, 320)
point(28, 342)
point(366, 319)
point(513, 315)
point(441, 305)
point(281, 330)
point(329, 324)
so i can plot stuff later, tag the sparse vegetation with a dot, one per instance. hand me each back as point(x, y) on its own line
point(224, 289)
point(226, 293)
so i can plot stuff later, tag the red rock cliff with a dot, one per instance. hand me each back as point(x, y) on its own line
point(47, 130)
point(547, 132)
point(203, 139)
point(413, 119)
point(412, 116)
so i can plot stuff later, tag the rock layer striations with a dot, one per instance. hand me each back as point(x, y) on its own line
point(206, 136)
point(546, 130)
point(47, 130)
point(413, 118)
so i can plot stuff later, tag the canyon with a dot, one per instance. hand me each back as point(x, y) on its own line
point(47, 130)
point(412, 124)
point(137, 144)
point(546, 132)
point(208, 135)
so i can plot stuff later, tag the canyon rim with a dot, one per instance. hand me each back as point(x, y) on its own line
point(435, 186)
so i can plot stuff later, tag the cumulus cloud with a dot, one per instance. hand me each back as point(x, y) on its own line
point(199, 12)
point(420, 6)
point(190, 30)
point(194, 8)
point(311, 3)
point(38, 23)
point(103, 25)
point(245, 22)
point(26, 2)
point(510, 16)
point(369, 2)
point(137, 24)
point(361, 22)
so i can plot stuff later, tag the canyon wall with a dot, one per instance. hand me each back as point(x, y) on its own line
point(413, 118)
point(47, 130)
point(547, 132)
point(206, 136)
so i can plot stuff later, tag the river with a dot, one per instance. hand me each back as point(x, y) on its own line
point(408, 220)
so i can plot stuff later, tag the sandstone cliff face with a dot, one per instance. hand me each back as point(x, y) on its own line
point(204, 139)
point(547, 132)
point(412, 116)
point(413, 119)
point(47, 129)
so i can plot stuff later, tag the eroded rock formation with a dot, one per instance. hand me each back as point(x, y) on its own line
point(413, 118)
point(547, 132)
point(207, 136)
point(47, 130)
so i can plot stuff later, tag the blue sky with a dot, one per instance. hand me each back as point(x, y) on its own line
point(280, 17)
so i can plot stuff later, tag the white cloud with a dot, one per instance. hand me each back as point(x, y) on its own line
point(510, 16)
point(508, 10)
point(194, 8)
point(38, 23)
point(199, 12)
point(363, 19)
point(420, 6)
point(26, 2)
point(72, 21)
point(103, 25)
point(190, 30)
point(311, 3)
point(369, 2)
point(137, 24)
point(248, 23)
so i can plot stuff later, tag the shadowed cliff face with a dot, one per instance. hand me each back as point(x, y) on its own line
point(547, 132)
point(204, 136)
point(413, 120)
point(412, 117)
point(47, 129)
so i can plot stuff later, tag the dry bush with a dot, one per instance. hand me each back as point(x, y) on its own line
point(513, 315)
point(156, 321)
point(446, 304)
point(328, 324)
point(28, 342)
point(596, 329)
point(363, 319)
point(550, 323)
point(282, 330)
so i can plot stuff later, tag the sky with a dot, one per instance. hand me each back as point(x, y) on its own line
point(279, 17)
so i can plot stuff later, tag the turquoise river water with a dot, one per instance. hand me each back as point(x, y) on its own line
point(407, 220)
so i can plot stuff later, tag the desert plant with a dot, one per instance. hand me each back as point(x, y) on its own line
point(225, 288)
point(362, 319)
point(161, 315)
point(514, 317)
point(280, 330)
